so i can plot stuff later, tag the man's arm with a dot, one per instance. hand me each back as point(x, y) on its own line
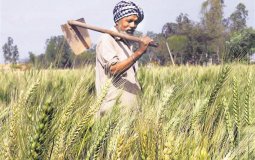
point(127, 63)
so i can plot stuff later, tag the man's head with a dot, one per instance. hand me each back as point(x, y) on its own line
point(127, 15)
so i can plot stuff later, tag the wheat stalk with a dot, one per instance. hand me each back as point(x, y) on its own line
point(236, 111)
point(66, 115)
point(247, 101)
point(212, 98)
point(228, 121)
point(16, 111)
point(38, 141)
point(88, 120)
point(103, 137)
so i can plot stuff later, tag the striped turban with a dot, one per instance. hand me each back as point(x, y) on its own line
point(127, 8)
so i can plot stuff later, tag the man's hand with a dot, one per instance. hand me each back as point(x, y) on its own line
point(144, 43)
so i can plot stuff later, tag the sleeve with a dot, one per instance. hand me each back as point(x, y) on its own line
point(106, 54)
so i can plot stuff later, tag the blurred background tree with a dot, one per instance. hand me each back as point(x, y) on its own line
point(10, 51)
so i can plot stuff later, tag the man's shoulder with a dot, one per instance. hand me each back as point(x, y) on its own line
point(105, 41)
point(105, 37)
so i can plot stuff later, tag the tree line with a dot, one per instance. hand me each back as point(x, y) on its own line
point(214, 39)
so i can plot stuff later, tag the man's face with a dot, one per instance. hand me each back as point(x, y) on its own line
point(127, 24)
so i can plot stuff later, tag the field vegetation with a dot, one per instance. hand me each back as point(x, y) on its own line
point(185, 113)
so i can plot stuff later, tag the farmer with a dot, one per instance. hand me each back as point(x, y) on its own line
point(116, 60)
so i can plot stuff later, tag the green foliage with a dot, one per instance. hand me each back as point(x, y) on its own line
point(205, 39)
point(169, 29)
point(212, 12)
point(58, 53)
point(32, 58)
point(241, 45)
point(178, 43)
point(88, 57)
point(184, 113)
point(43, 126)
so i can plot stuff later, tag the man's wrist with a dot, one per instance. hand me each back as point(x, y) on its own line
point(139, 52)
point(133, 58)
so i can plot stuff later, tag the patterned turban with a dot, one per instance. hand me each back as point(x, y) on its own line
point(127, 8)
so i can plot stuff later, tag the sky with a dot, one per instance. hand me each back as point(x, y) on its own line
point(31, 22)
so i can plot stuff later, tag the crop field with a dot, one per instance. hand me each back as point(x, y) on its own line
point(195, 113)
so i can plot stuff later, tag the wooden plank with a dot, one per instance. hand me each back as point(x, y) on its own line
point(77, 37)
point(83, 34)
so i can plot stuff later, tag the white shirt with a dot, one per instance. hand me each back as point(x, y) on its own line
point(110, 51)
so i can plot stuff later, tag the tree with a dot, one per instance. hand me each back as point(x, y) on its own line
point(241, 45)
point(161, 52)
point(198, 44)
point(179, 46)
point(32, 58)
point(58, 52)
point(184, 24)
point(169, 29)
point(212, 20)
point(88, 57)
point(11, 53)
point(238, 18)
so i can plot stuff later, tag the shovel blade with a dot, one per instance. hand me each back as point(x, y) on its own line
point(77, 37)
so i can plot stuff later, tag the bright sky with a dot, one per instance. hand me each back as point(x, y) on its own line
point(31, 22)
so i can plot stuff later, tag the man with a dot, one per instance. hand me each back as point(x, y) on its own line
point(116, 60)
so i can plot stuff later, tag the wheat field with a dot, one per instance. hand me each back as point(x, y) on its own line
point(195, 113)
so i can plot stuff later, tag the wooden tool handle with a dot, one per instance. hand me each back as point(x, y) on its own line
point(115, 34)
